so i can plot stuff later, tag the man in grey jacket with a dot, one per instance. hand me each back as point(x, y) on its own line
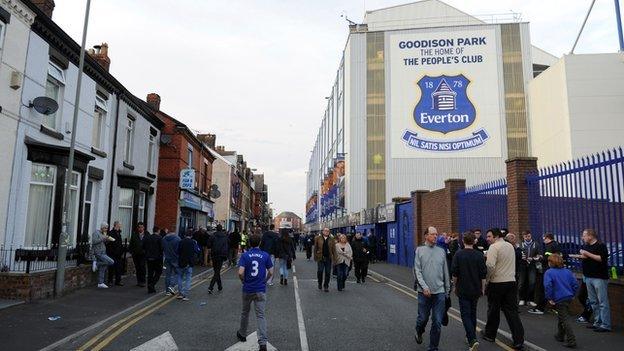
point(98, 241)
point(433, 286)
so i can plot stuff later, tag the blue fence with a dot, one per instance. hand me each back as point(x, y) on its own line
point(585, 193)
point(483, 206)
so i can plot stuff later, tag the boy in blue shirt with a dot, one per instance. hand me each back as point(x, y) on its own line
point(254, 270)
point(560, 286)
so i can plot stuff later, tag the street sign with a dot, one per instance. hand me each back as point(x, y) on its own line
point(187, 178)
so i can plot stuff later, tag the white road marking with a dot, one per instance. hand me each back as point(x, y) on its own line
point(163, 342)
point(250, 345)
point(302, 330)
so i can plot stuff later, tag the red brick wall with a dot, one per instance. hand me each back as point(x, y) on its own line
point(518, 192)
point(437, 208)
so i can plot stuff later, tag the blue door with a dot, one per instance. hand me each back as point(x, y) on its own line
point(392, 243)
point(405, 231)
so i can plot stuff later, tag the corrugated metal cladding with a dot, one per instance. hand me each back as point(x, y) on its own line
point(375, 120)
point(406, 175)
point(355, 142)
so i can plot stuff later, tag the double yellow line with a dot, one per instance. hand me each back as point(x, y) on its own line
point(455, 317)
point(122, 325)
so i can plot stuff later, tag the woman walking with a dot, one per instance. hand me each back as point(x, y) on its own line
point(344, 255)
point(286, 253)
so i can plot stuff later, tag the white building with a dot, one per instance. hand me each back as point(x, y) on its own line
point(424, 92)
point(116, 146)
point(15, 22)
point(222, 173)
point(576, 107)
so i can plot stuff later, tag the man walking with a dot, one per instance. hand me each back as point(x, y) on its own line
point(528, 271)
point(502, 291)
point(170, 244)
point(595, 256)
point(154, 258)
point(360, 258)
point(433, 286)
point(138, 253)
point(114, 250)
point(254, 269)
point(219, 244)
point(268, 244)
point(324, 255)
point(233, 243)
point(188, 249)
point(469, 272)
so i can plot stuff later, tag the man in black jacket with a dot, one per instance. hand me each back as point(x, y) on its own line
point(138, 253)
point(154, 255)
point(360, 257)
point(551, 247)
point(234, 240)
point(187, 251)
point(268, 244)
point(114, 250)
point(219, 244)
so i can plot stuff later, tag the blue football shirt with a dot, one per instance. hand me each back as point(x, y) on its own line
point(256, 263)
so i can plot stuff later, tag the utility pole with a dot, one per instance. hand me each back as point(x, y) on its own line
point(64, 237)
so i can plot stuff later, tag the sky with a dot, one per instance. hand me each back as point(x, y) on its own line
point(256, 72)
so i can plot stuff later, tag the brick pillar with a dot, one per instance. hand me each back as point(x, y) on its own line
point(518, 192)
point(417, 199)
point(453, 187)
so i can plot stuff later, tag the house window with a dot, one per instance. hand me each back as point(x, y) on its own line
point(88, 201)
point(151, 153)
point(99, 117)
point(1, 34)
point(129, 140)
point(124, 214)
point(73, 207)
point(40, 205)
point(205, 178)
point(141, 209)
point(190, 157)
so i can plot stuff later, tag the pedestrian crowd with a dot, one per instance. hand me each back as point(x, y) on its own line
point(510, 275)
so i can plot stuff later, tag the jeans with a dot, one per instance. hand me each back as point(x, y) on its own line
point(434, 306)
point(342, 275)
point(564, 331)
point(468, 310)
point(184, 280)
point(217, 263)
point(527, 282)
point(270, 281)
point(259, 300)
point(171, 278)
point(599, 300)
point(504, 296)
point(283, 268)
point(324, 266)
point(103, 261)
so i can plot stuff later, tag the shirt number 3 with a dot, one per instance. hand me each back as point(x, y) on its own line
point(254, 268)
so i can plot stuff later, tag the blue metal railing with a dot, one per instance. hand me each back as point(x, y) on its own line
point(584, 193)
point(483, 206)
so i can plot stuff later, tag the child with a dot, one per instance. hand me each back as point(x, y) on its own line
point(559, 288)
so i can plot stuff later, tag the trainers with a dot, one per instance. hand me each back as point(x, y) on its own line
point(535, 311)
point(240, 337)
point(179, 297)
point(473, 346)
point(531, 303)
point(185, 298)
point(485, 337)
point(209, 291)
point(102, 286)
point(521, 303)
point(581, 319)
point(418, 338)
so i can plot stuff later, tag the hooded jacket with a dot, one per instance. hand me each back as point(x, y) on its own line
point(170, 245)
point(219, 244)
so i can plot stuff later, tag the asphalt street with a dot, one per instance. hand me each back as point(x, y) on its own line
point(371, 316)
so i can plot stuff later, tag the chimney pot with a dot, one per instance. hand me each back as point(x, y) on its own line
point(100, 54)
point(153, 100)
point(46, 6)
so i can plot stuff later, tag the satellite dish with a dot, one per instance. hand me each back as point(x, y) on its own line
point(165, 139)
point(215, 194)
point(44, 105)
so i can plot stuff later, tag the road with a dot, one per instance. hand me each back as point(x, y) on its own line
point(378, 315)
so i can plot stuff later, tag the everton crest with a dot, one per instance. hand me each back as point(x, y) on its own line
point(444, 105)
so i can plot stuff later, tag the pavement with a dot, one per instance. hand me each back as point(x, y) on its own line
point(378, 315)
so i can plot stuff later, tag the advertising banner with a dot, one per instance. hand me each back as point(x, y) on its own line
point(445, 93)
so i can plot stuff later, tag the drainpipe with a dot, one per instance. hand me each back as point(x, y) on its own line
point(113, 167)
point(618, 18)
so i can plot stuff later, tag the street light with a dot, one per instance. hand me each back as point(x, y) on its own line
point(63, 238)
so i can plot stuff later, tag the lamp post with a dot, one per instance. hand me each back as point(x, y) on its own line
point(64, 237)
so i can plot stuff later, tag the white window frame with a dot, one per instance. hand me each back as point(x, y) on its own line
point(53, 185)
point(151, 153)
point(189, 156)
point(141, 207)
point(2, 30)
point(127, 233)
point(56, 72)
point(77, 205)
point(130, 126)
point(99, 118)
point(88, 201)
point(58, 98)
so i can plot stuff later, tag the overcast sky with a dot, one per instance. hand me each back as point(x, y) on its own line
point(256, 72)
